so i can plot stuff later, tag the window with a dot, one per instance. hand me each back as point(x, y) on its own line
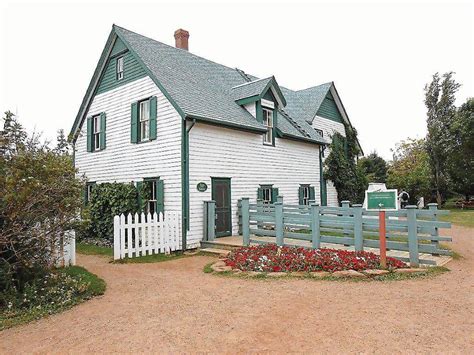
point(305, 194)
point(267, 193)
point(96, 129)
point(144, 116)
point(268, 122)
point(88, 192)
point(119, 68)
point(151, 192)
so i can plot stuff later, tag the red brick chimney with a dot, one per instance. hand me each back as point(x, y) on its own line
point(181, 37)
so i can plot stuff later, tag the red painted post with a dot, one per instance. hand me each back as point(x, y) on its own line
point(383, 240)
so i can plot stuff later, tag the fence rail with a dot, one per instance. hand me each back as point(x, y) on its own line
point(140, 235)
point(411, 230)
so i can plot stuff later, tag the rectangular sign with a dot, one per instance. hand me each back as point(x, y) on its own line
point(382, 200)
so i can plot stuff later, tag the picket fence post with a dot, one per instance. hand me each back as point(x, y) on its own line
point(358, 234)
point(116, 237)
point(433, 207)
point(412, 236)
point(279, 223)
point(245, 221)
point(315, 226)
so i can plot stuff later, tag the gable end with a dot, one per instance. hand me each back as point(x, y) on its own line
point(329, 110)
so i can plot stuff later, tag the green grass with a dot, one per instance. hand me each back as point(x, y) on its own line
point(89, 249)
point(90, 284)
point(427, 273)
point(460, 217)
point(154, 258)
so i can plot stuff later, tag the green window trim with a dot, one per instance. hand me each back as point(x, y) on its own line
point(267, 193)
point(306, 193)
point(259, 115)
point(151, 195)
point(136, 124)
point(96, 141)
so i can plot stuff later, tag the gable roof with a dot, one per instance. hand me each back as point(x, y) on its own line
point(204, 90)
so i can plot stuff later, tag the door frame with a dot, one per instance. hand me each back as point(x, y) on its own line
point(213, 180)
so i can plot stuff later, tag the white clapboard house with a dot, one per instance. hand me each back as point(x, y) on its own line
point(195, 130)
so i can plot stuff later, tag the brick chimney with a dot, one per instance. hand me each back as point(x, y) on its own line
point(181, 37)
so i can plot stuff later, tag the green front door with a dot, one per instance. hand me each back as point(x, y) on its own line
point(221, 194)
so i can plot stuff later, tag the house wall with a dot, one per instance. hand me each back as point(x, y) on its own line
point(123, 161)
point(329, 127)
point(239, 155)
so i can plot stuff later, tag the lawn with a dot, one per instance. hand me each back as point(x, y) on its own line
point(57, 291)
point(89, 249)
point(460, 217)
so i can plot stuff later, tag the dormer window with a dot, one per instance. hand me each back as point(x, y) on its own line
point(268, 122)
point(119, 67)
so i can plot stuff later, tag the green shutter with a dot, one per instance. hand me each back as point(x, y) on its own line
point(274, 194)
point(89, 134)
point(259, 111)
point(260, 193)
point(300, 195)
point(274, 125)
point(134, 123)
point(312, 195)
point(153, 107)
point(102, 131)
point(160, 199)
point(139, 195)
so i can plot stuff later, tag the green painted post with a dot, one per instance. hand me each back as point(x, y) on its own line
point(239, 215)
point(280, 199)
point(433, 207)
point(412, 236)
point(315, 226)
point(245, 221)
point(211, 220)
point(260, 212)
point(345, 204)
point(358, 234)
point(279, 223)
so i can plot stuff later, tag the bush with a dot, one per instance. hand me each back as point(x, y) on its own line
point(106, 201)
point(39, 200)
point(271, 258)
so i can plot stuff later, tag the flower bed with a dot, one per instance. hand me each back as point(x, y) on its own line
point(271, 258)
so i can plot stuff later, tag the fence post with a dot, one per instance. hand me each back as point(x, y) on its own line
point(280, 199)
point(433, 207)
point(358, 234)
point(259, 212)
point(279, 223)
point(345, 204)
point(116, 237)
point(211, 220)
point(412, 236)
point(245, 221)
point(315, 226)
point(239, 215)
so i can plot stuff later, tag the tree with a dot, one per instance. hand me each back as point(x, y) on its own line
point(439, 100)
point(460, 166)
point(341, 168)
point(39, 200)
point(374, 167)
point(62, 144)
point(410, 169)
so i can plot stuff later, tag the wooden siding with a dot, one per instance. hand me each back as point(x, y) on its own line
point(329, 127)
point(251, 108)
point(329, 110)
point(123, 161)
point(222, 152)
point(132, 71)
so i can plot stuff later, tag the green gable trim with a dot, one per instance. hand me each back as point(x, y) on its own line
point(132, 70)
point(329, 110)
point(118, 47)
point(248, 100)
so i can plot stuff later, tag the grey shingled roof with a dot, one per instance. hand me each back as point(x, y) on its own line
point(250, 88)
point(206, 90)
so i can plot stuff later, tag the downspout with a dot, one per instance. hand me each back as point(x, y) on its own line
point(185, 180)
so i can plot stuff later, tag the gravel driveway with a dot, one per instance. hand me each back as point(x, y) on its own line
point(175, 307)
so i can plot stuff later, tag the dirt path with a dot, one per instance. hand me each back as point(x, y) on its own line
point(174, 306)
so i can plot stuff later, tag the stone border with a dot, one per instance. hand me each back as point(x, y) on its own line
point(221, 267)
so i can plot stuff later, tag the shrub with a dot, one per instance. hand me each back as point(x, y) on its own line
point(106, 201)
point(271, 258)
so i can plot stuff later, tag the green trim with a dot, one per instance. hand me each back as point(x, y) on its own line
point(272, 82)
point(322, 182)
point(329, 110)
point(226, 124)
point(248, 100)
point(213, 179)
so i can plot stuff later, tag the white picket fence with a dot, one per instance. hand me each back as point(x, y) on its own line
point(140, 235)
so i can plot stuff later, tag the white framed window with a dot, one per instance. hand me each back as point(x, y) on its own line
point(267, 195)
point(144, 115)
point(268, 122)
point(152, 200)
point(96, 132)
point(305, 194)
point(119, 67)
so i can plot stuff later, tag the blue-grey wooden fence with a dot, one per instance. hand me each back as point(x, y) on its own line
point(412, 230)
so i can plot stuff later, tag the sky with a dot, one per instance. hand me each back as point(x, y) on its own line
point(379, 54)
